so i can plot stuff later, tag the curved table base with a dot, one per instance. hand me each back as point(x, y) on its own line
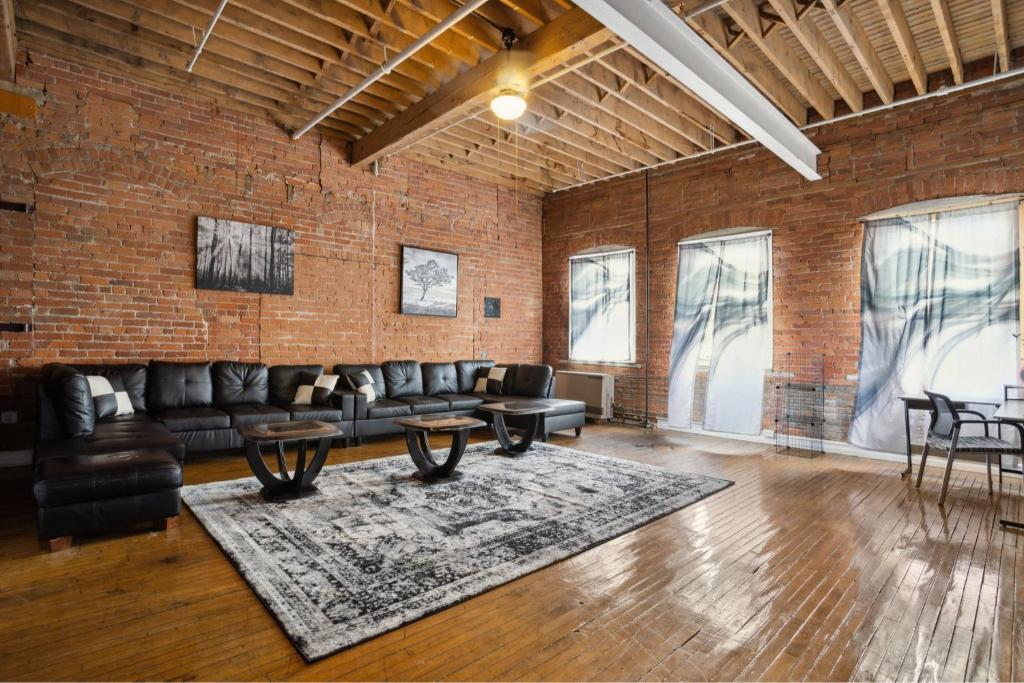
point(508, 446)
point(430, 469)
point(298, 484)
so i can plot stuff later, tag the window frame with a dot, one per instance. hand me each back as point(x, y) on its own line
point(632, 305)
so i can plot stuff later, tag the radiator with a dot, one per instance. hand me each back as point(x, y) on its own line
point(593, 388)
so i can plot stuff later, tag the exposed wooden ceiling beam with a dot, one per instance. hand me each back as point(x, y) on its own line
point(859, 43)
point(807, 33)
point(745, 13)
point(572, 33)
point(1002, 33)
point(750, 64)
point(8, 41)
point(940, 8)
point(896, 20)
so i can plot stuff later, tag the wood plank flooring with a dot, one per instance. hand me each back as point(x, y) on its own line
point(830, 568)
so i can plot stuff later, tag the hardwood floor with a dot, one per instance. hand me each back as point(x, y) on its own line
point(825, 568)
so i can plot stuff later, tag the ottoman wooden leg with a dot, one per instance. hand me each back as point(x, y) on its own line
point(167, 523)
point(59, 543)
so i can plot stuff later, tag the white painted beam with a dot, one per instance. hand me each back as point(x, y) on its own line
point(656, 32)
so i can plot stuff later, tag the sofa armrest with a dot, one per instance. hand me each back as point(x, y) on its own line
point(350, 402)
point(551, 386)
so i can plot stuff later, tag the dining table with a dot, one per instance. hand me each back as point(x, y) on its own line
point(1011, 411)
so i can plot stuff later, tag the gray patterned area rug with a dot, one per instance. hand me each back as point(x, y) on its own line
point(376, 549)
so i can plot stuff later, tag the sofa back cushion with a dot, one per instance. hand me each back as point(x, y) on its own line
point(179, 385)
point(530, 380)
point(132, 376)
point(467, 373)
point(236, 383)
point(402, 378)
point(71, 399)
point(439, 378)
point(285, 380)
point(346, 369)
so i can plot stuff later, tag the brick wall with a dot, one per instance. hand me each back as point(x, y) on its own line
point(966, 143)
point(104, 267)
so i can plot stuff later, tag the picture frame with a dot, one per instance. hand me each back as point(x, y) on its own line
point(244, 257)
point(429, 282)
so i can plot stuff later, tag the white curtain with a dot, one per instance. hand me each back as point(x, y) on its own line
point(939, 311)
point(723, 291)
point(601, 311)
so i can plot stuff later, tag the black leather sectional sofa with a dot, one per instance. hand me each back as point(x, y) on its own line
point(110, 473)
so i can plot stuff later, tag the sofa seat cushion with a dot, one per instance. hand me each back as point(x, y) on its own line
point(112, 434)
point(387, 408)
point(255, 414)
point(190, 419)
point(421, 405)
point(460, 401)
point(489, 398)
point(80, 478)
point(322, 413)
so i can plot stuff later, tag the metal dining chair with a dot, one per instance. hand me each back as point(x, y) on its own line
point(944, 434)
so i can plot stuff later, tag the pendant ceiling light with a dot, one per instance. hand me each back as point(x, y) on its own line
point(509, 104)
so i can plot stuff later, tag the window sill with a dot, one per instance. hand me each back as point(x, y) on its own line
point(603, 363)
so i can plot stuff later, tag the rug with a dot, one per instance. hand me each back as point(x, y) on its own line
point(375, 549)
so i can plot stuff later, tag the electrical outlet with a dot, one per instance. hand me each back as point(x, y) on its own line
point(8, 417)
point(483, 354)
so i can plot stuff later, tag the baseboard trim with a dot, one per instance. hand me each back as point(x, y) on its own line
point(833, 447)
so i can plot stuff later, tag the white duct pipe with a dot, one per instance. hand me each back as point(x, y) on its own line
point(454, 18)
point(817, 124)
point(704, 7)
point(206, 35)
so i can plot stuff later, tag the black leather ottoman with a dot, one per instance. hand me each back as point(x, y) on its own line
point(87, 494)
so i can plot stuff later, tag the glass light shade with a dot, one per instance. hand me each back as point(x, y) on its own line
point(508, 105)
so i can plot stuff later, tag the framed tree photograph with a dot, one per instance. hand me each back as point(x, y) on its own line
point(430, 282)
point(244, 257)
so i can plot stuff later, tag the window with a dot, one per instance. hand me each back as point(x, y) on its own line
point(939, 309)
point(722, 335)
point(602, 307)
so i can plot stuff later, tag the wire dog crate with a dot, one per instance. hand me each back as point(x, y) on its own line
point(800, 403)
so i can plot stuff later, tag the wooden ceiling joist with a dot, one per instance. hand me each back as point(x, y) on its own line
point(747, 16)
point(943, 19)
point(8, 41)
point(807, 33)
point(856, 38)
point(896, 20)
point(1002, 32)
point(572, 33)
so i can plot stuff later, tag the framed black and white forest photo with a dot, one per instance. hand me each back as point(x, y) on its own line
point(430, 282)
point(243, 257)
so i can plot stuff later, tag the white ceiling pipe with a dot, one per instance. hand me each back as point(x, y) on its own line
point(657, 33)
point(1013, 73)
point(704, 7)
point(206, 35)
point(452, 19)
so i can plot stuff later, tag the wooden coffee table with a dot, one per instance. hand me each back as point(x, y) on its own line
point(417, 429)
point(299, 483)
point(532, 408)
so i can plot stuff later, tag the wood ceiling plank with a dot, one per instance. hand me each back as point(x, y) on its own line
point(746, 15)
point(549, 134)
point(472, 28)
point(808, 35)
point(896, 20)
point(852, 31)
point(587, 98)
point(474, 171)
point(940, 8)
point(749, 63)
point(506, 152)
point(574, 32)
point(8, 41)
point(1002, 31)
point(629, 67)
point(195, 86)
point(83, 23)
point(481, 163)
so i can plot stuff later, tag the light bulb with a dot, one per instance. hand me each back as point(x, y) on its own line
point(508, 105)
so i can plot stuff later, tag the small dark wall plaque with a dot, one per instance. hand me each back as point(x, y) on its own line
point(492, 307)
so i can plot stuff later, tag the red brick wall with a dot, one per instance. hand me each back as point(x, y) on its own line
point(966, 143)
point(105, 266)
